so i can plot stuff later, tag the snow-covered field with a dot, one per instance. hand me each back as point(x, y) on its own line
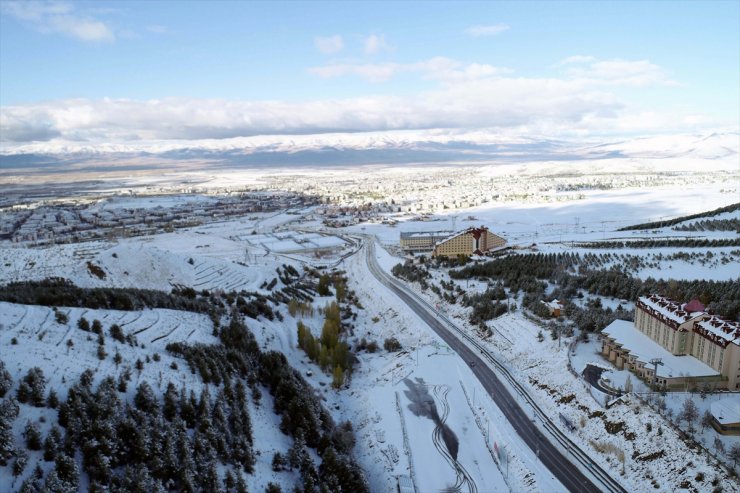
point(595, 217)
point(392, 439)
point(222, 256)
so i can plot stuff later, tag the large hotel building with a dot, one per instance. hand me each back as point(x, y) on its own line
point(692, 345)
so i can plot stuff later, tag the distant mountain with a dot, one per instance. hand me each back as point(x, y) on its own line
point(402, 147)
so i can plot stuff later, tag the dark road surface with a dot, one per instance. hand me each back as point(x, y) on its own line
point(550, 455)
point(592, 374)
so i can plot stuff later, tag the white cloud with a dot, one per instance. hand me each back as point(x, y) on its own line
point(577, 59)
point(375, 44)
point(635, 73)
point(329, 44)
point(490, 30)
point(60, 18)
point(438, 68)
point(585, 98)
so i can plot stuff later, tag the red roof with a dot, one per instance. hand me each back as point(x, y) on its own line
point(694, 306)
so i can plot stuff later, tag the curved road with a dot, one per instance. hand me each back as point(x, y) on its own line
point(550, 455)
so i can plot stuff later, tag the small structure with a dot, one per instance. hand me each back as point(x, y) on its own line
point(726, 416)
point(555, 307)
point(405, 485)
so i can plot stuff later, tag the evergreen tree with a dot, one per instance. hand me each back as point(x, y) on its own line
point(21, 459)
point(32, 388)
point(32, 435)
point(34, 483)
point(169, 407)
point(144, 399)
point(6, 381)
point(52, 401)
point(52, 443)
point(8, 413)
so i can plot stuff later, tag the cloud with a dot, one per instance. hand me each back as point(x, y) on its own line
point(635, 73)
point(584, 98)
point(329, 44)
point(375, 44)
point(437, 68)
point(60, 18)
point(577, 59)
point(490, 30)
point(464, 103)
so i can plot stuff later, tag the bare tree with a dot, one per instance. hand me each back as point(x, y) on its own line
point(706, 420)
point(689, 412)
point(719, 445)
point(734, 453)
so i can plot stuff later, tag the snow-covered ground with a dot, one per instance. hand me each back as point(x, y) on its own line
point(625, 453)
point(224, 256)
point(42, 342)
point(595, 217)
point(244, 254)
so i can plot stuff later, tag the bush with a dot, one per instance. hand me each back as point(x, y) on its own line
point(117, 333)
point(61, 317)
point(392, 345)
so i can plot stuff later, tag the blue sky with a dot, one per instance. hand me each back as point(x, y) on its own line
point(108, 70)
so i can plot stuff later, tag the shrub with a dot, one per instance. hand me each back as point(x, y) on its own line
point(61, 317)
point(392, 345)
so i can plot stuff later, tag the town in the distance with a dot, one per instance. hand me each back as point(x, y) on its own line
point(532, 328)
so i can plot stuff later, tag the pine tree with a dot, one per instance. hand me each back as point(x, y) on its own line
point(52, 443)
point(6, 381)
point(52, 401)
point(32, 388)
point(32, 435)
point(8, 413)
point(21, 459)
point(145, 400)
point(169, 407)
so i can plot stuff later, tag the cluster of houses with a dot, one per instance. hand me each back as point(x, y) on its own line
point(64, 223)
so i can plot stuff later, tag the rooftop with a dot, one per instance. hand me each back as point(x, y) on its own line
point(425, 234)
point(669, 308)
point(726, 411)
point(645, 349)
point(720, 328)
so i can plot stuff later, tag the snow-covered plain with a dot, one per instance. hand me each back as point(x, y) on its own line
point(245, 253)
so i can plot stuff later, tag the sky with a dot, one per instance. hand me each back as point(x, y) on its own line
point(133, 71)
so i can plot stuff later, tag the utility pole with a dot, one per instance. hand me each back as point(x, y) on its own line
point(655, 362)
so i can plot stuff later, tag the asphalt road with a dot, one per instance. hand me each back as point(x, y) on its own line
point(592, 375)
point(560, 467)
